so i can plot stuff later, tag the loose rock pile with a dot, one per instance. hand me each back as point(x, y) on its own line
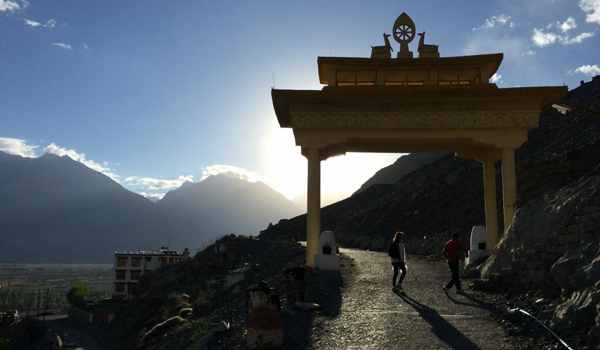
point(531, 268)
point(564, 266)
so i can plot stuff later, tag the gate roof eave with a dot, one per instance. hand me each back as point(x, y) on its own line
point(325, 64)
point(415, 98)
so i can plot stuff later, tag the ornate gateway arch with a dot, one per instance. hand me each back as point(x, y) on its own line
point(428, 104)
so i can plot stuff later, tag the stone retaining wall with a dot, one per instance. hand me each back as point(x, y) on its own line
point(530, 270)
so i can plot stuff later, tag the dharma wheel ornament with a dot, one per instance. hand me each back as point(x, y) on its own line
point(404, 32)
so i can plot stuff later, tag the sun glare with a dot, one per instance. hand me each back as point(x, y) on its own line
point(286, 167)
point(345, 174)
point(339, 175)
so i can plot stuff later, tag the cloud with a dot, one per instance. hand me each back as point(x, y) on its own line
point(17, 147)
point(592, 9)
point(496, 78)
point(86, 47)
point(588, 70)
point(32, 23)
point(64, 46)
point(156, 184)
point(542, 39)
point(233, 172)
point(567, 25)
point(495, 21)
point(510, 43)
point(8, 5)
point(80, 157)
point(528, 53)
point(50, 24)
point(578, 39)
point(21, 148)
point(153, 195)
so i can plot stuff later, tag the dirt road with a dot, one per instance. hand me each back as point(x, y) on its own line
point(372, 316)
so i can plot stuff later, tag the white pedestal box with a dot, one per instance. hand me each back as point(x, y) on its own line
point(479, 245)
point(329, 261)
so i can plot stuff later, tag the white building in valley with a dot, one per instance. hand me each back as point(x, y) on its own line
point(130, 266)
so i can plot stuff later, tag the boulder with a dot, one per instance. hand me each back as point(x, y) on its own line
point(564, 317)
point(587, 275)
point(537, 221)
point(221, 327)
point(454, 176)
point(566, 266)
point(586, 303)
point(579, 311)
point(595, 332)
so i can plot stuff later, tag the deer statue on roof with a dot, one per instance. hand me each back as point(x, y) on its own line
point(427, 50)
point(382, 51)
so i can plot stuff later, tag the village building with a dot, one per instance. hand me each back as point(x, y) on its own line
point(130, 266)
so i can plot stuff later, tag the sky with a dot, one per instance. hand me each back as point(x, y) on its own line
point(156, 93)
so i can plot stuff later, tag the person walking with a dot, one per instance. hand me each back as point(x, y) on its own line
point(398, 255)
point(451, 252)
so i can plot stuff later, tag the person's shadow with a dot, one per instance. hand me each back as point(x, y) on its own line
point(445, 331)
point(475, 302)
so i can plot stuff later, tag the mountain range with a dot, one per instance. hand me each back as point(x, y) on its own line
point(53, 209)
point(56, 210)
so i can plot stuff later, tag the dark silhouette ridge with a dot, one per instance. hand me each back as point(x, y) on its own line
point(56, 210)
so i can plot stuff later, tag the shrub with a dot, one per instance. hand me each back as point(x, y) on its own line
point(186, 313)
point(78, 294)
point(200, 329)
point(162, 328)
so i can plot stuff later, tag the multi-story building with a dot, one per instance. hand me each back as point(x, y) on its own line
point(130, 266)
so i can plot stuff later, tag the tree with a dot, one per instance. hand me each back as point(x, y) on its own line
point(78, 294)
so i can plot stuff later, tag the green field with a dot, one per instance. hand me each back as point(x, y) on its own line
point(31, 283)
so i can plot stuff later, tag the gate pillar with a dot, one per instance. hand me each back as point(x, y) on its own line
point(313, 204)
point(489, 190)
point(509, 186)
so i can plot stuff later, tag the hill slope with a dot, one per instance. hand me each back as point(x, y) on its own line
point(402, 166)
point(446, 196)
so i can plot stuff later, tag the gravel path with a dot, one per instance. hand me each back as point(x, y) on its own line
point(77, 337)
point(369, 315)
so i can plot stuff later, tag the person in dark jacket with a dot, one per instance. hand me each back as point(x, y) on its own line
point(399, 262)
point(451, 252)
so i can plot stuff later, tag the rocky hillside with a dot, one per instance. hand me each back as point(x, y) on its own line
point(402, 166)
point(184, 305)
point(446, 196)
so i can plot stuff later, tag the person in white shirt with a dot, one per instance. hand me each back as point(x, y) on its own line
point(399, 262)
